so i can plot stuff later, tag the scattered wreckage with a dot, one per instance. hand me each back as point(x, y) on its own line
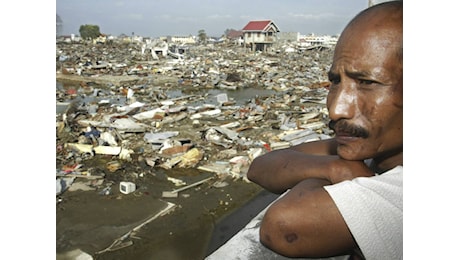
point(158, 111)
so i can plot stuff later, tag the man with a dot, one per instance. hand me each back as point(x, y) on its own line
point(344, 195)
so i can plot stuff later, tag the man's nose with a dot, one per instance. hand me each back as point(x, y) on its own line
point(341, 104)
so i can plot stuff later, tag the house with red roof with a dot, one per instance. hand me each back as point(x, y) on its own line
point(260, 35)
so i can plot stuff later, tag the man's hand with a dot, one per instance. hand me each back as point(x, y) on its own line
point(305, 221)
point(280, 170)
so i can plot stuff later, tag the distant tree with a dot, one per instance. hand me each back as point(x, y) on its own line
point(89, 31)
point(202, 36)
point(227, 31)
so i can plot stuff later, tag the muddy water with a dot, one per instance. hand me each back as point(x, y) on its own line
point(239, 96)
point(204, 218)
point(202, 221)
point(209, 96)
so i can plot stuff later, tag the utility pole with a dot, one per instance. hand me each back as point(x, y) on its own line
point(59, 25)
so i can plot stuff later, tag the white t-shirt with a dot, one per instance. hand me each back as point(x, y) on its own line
point(245, 245)
point(373, 210)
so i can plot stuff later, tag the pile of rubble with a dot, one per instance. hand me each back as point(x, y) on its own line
point(126, 105)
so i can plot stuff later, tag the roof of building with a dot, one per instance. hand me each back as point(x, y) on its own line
point(234, 34)
point(262, 25)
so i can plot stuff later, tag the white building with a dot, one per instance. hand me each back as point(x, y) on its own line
point(182, 39)
point(312, 40)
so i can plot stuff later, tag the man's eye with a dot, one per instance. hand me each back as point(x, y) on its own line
point(334, 81)
point(366, 82)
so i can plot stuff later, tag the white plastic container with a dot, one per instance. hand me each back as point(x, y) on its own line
point(222, 98)
point(127, 187)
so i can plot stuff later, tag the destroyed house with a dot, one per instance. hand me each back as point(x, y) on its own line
point(260, 35)
point(235, 36)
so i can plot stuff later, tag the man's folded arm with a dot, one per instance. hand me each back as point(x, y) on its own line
point(305, 222)
point(280, 170)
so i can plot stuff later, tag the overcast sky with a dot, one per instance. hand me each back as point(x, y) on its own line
point(153, 18)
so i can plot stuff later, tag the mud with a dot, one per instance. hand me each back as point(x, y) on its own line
point(89, 221)
point(204, 218)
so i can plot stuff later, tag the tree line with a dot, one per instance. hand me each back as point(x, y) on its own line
point(91, 31)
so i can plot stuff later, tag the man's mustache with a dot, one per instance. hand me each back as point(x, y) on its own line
point(344, 127)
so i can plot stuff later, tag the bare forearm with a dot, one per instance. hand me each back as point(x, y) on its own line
point(280, 170)
point(322, 147)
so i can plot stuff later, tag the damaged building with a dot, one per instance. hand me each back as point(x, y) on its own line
point(260, 35)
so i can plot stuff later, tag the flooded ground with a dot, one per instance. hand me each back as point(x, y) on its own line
point(90, 221)
point(158, 127)
point(240, 96)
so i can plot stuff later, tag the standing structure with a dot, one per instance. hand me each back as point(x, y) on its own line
point(259, 35)
point(59, 25)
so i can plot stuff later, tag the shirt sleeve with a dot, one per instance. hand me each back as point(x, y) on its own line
point(372, 207)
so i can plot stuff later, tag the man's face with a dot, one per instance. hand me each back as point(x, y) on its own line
point(365, 100)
